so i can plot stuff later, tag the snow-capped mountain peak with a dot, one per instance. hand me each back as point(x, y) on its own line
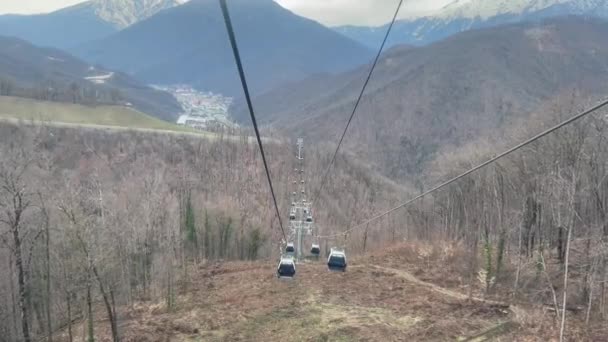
point(464, 15)
point(123, 13)
point(485, 9)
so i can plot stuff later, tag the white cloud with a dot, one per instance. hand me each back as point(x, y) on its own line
point(328, 12)
point(34, 6)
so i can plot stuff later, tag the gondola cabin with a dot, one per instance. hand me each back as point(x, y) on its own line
point(292, 215)
point(290, 249)
point(286, 268)
point(336, 260)
point(309, 219)
point(315, 249)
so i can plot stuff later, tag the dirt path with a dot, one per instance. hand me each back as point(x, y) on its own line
point(457, 295)
point(485, 335)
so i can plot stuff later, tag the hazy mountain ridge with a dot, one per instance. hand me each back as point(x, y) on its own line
point(445, 94)
point(188, 44)
point(61, 29)
point(75, 25)
point(463, 15)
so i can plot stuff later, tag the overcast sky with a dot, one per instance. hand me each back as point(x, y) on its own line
point(328, 12)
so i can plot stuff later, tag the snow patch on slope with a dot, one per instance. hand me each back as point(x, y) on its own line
point(100, 79)
point(54, 59)
point(124, 13)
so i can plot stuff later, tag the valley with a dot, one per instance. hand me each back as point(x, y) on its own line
point(204, 111)
point(138, 204)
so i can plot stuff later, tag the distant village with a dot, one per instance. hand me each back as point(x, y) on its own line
point(202, 110)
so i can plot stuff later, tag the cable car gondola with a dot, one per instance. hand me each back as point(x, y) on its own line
point(286, 268)
point(309, 219)
point(336, 260)
point(290, 249)
point(292, 215)
point(315, 249)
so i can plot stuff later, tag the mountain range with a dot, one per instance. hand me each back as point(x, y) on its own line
point(463, 15)
point(445, 94)
point(75, 25)
point(50, 74)
point(189, 44)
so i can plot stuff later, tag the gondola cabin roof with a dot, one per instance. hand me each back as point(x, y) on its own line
point(287, 260)
point(337, 253)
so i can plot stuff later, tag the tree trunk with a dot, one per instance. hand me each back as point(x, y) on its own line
point(69, 305)
point(517, 273)
point(108, 304)
point(91, 329)
point(602, 293)
point(590, 298)
point(564, 301)
point(25, 329)
point(560, 245)
point(365, 238)
point(49, 324)
point(12, 289)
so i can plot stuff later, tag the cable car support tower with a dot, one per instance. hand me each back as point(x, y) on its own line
point(300, 217)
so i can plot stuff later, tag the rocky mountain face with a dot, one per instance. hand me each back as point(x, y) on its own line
point(124, 13)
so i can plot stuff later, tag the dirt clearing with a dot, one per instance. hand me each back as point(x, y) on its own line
point(246, 302)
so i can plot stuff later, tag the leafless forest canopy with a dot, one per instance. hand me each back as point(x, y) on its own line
point(93, 219)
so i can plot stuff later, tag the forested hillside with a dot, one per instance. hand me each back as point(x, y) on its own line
point(421, 99)
point(130, 216)
point(49, 74)
point(117, 217)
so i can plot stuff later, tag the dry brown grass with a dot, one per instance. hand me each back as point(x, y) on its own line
point(245, 302)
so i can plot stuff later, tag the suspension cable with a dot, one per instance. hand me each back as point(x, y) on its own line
point(598, 106)
point(239, 64)
point(352, 115)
